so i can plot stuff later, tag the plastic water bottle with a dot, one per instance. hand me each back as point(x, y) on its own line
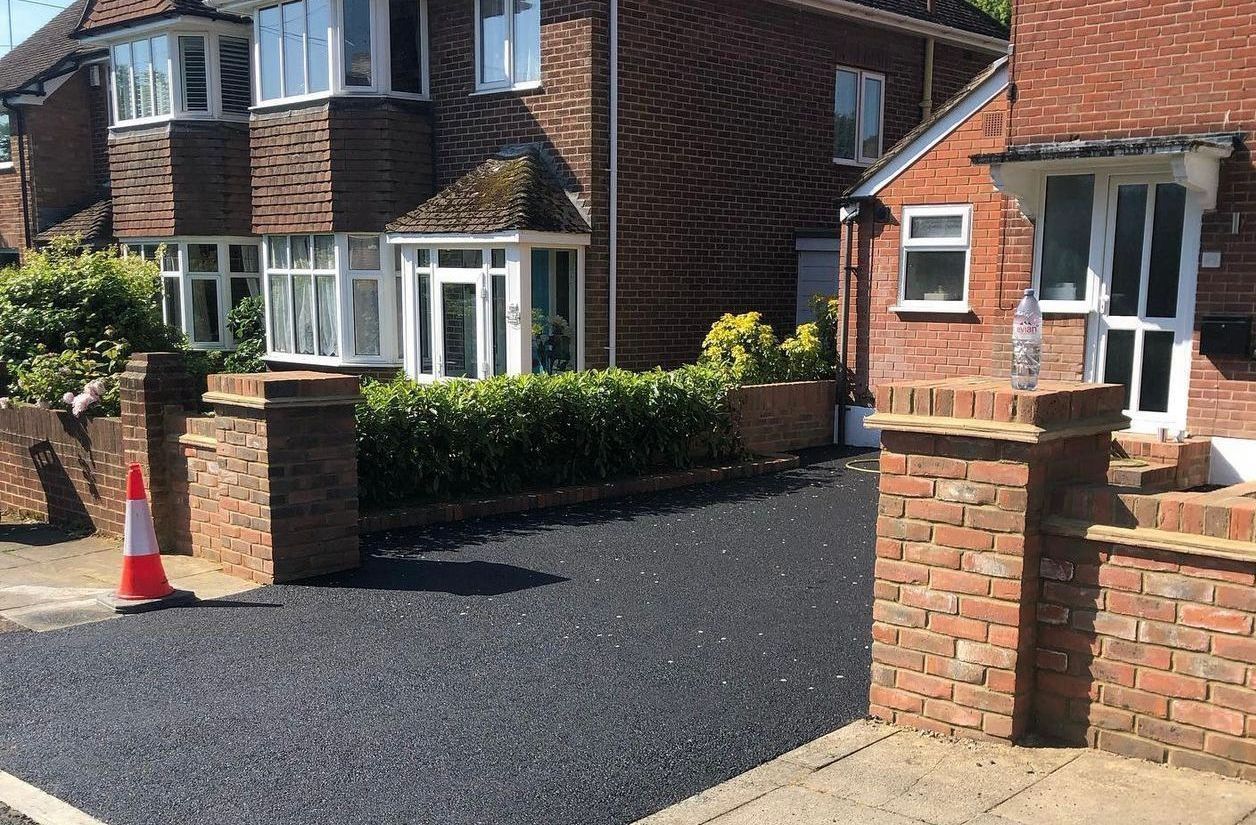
point(1026, 343)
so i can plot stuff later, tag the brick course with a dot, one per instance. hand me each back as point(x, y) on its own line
point(776, 418)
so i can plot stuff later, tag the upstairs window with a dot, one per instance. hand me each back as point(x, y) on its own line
point(508, 43)
point(173, 75)
point(858, 114)
point(233, 67)
point(141, 79)
point(292, 43)
point(195, 73)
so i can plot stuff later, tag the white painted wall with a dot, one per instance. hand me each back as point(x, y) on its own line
point(857, 435)
point(1233, 460)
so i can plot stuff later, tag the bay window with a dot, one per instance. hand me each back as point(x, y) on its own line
point(379, 46)
point(142, 79)
point(935, 258)
point(858, 115)
point(508, 44)
point(172, 75)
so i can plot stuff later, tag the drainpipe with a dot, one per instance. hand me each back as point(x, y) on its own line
point(926, 103)
point(22, 143)
point(614, 182)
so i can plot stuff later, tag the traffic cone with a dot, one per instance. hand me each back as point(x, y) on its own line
point(144, 585)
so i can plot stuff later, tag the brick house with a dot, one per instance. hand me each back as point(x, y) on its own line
point(678, 160)
point(54, 168)
point(1107, 165)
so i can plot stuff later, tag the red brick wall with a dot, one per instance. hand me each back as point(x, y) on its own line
point(890, 346)
point(1148, 654)
point(63, 173)
point(62, 469)
point(777, 418)
point(12, 233)
point(1125, 68)
point(727, 147)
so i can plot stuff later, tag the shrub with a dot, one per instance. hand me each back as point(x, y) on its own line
point(457, 438)
point(247, 322)
point(743, 349)
point(804, 356)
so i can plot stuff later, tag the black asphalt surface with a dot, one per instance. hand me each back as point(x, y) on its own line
point(579, 666)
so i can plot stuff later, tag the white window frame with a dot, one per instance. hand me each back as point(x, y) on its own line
point(381, 59)
point(509, 84)
point(908, 244)
point(862, 76)
point(1088, 301)
point(8, 143)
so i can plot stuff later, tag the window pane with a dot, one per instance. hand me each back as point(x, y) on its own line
point(937, 226)
point(6, 135)
point(293, 49)
point(527, 41)
point(205, 312)
point(492, 41)
point(278, 251)
point(460, 258)
point(142, 60)
point(1119, 361)
point(243, 257)
point(303, 299)
point(562, 326)
point(1166, 252)
point(1127, 249)
point(301, 252)
point(202, 257)
point(497, 259)
point(499, 325)
point(318, 17)
point(242, 288)
point(870, 119)
point(1153, 390)
point(845, 115)
point(270, 31)
point(195, 78)
point(328, 343)
point(364, 253)
point(405, 34)
point(171, 306)
point(458, 305)
point(161, 75)
point(366, 316)
point(425, 324)
point(324, 252)
point(280, 314)
point(233, 70)
point(934, 276)
point(1066, 237)
point(399, 309)
point(357, 42)
point(169, 257)
point(123, 85)
point(423, 259)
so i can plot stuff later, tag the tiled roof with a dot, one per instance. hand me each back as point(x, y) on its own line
point(44, 54)
point(1113, 148)
point(956, 14)
point(513, 191)
point(93, 224)
point(108, 14)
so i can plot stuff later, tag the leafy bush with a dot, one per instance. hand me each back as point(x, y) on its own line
point(804, 356)
point(68, 316)
point(457, 438)
point(743, 349)
point(247, 322)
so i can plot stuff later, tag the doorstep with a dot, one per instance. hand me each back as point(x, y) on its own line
point(876, 774)
point(423, 515)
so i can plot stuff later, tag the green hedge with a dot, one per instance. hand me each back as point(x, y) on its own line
point(458, 438)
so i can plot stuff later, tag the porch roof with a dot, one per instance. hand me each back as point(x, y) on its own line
point(92, 223)
point(1112, 148)
point(514, 191)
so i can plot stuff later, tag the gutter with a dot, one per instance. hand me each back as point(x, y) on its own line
point(611, 309)
point(902, 22)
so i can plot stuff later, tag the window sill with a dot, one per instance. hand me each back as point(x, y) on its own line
point(857, 164)
point(1064, 307)
point(948, 308)
point(333, 361)
point(6, 166)
point(532, 86)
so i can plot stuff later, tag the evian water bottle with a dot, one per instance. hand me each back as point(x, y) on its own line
point(1026, 343)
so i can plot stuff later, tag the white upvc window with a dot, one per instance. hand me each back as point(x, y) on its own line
point(935, 259)
point(309, 49)
point(141, 79)
point(858, 116)
point(507, 44)
point(180, 73)
point(1068, 240)
point(202, 280)
point(6, 142)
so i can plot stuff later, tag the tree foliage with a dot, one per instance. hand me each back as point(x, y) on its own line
point(1000, 10)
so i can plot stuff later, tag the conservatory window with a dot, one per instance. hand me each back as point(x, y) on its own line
point(423, 277)
point(934, 264)
point(554, 310)
point(508, 43)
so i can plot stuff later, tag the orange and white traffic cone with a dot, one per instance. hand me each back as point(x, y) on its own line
point(144, 585)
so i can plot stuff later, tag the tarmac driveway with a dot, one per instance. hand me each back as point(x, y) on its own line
point(586, 665)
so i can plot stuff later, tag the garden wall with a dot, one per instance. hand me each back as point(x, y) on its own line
point(776, 418)
point(54, 466)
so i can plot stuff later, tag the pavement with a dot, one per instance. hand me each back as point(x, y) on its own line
point(875, 774)
point(50, 578)
point(580, 666)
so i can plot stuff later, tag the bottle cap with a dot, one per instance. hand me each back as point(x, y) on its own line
point(1029, 293)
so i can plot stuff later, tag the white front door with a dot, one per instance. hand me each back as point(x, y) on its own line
point(1141, 335)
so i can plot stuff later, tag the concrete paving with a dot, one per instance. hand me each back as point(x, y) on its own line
point(876, 774)
point(49, 578)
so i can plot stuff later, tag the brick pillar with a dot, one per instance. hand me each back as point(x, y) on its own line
point(288, 483)
point(966, 468)
point(154, 386)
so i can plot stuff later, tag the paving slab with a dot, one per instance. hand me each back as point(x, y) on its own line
point(878, 774)
point(803, 806)
point(838, 744)
point(730, 795)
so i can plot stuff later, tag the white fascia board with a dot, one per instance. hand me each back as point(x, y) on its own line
point(902, 22)
point(527, 237)
point(935, 134)
point(184, 24)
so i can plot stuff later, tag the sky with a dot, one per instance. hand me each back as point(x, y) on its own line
point(22, 18)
